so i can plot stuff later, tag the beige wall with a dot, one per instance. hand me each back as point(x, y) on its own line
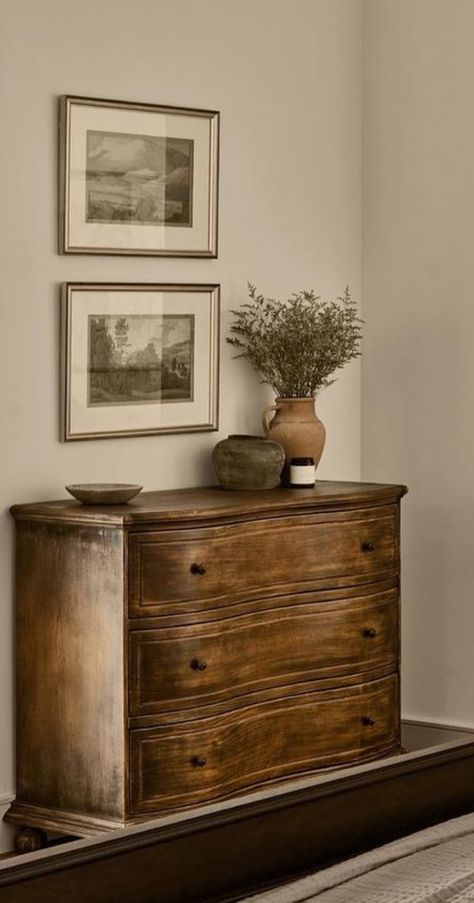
point(418, 370)
point(286, 77)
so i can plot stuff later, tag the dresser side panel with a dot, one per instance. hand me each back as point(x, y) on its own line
point(70, 668)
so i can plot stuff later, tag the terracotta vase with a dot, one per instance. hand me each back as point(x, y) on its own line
point(296, 427)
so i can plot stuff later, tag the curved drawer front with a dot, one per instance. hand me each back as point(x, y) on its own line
point(207, 566)
point(187, 765)
point(198, 665)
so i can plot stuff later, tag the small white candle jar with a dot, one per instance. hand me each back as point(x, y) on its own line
point(302, 473)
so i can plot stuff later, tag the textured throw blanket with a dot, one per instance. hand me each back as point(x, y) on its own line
point(431, 866)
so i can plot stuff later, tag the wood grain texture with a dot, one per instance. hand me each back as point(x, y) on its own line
point(194, 666)
point(174, 615)
point(178, 505)
point(268, 556)
point(70, 707)
point(218, 757)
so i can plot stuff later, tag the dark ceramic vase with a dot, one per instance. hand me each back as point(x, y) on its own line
point(248, 462)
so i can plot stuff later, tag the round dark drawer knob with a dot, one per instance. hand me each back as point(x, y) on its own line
point(368, 546)
point(370, 632)
point(198, 568)
point(199, 761)
point(199, 664)
point(368, 721)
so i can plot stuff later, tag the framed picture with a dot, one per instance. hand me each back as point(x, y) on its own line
point(138, 359)
point(137, 179)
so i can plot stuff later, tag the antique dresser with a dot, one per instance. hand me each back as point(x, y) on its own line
point(197, 644)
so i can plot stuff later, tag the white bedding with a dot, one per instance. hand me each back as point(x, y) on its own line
point(432, 866)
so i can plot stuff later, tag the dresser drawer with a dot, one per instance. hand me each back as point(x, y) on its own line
point(204, 568)
point(187, 667)
point(227, 754)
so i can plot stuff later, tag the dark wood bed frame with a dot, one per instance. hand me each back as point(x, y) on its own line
point(226, 851)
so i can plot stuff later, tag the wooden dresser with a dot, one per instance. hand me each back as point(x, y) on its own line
point(196, 644)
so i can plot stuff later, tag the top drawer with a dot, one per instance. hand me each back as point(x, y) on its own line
point(198, 569)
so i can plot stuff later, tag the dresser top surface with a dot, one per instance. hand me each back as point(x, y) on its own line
point(213, 502)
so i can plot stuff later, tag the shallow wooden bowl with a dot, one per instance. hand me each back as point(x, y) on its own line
point(104, 493)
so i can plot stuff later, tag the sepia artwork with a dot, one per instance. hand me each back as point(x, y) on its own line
point(138, 179)
point(140, 358)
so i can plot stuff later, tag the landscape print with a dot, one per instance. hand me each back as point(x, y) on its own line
point(140, 358)
point(140, 179)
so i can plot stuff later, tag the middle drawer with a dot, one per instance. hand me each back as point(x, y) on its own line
point(202, 664)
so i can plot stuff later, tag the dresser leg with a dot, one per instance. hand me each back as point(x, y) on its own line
point(28, 840)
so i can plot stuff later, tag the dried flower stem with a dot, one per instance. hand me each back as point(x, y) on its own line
point(295, 345)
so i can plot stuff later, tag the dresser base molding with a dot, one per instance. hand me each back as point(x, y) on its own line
point(59, 821)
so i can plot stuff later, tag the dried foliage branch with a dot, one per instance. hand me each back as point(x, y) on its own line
point(297, 344)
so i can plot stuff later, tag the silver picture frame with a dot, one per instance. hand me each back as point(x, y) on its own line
point(137, 178)
point(138, 359)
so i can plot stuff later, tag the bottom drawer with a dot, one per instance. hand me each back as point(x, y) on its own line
point(183, 765)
